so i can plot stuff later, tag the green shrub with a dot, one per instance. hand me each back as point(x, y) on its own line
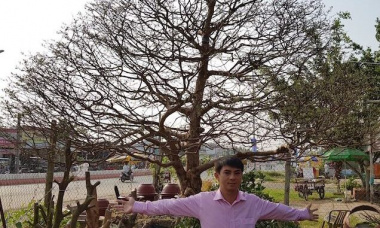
point(22, 217)
point(352, 183)
point(253, 183)
point(276, 224)
point(186, 222)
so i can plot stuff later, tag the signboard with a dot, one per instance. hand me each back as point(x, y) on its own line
point(34, 139)
point(308, 173)
point(28, 139)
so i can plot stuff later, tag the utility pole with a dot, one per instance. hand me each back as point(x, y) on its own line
point(371, 174)
point(17, 146)
point(371, 168)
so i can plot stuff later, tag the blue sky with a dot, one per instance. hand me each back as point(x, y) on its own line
point(25, 24)
point(361, 28)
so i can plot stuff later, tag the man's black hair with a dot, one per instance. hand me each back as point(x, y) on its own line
point(234, 162)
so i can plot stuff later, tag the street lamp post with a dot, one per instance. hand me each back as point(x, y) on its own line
point(17, 145)
point(253, 139)
point(371, 168)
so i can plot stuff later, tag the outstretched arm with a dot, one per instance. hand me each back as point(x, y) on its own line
point(270, 210)
point(188, 206)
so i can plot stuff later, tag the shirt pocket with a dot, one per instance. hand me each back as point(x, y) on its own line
point(246, 223)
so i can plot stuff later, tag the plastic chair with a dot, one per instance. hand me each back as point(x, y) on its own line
point(117, 194)
point(335, 218)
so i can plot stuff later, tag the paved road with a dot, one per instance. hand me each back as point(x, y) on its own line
point(18, 196)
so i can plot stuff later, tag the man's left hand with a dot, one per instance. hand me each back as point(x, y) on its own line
point(312, 213)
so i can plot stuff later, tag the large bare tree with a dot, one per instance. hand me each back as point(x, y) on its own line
point(170, 75)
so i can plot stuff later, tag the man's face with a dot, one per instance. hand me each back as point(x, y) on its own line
point(229, 179)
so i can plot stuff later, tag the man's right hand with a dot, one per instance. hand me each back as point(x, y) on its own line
point(126, 205)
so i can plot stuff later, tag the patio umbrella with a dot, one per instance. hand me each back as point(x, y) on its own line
point(345, 154)
point(118, 158)
point(125, 158)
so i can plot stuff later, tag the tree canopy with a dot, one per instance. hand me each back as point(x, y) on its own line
point(171, 74)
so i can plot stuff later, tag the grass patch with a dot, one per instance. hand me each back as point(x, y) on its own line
point(278, 195)
point(311, 224)
point(338, 193)
point(274, 176)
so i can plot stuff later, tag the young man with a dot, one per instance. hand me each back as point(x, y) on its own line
point(228, 207)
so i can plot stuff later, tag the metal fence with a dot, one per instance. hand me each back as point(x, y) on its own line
point(18, 190)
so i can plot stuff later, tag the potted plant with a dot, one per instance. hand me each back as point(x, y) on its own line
point(351, 184)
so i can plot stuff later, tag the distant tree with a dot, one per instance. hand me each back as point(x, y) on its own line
point(325, 106)
point(144, 75)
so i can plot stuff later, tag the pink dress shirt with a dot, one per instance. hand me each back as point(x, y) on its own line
point(214, 211)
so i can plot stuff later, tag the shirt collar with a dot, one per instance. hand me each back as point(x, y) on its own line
point(241, 196)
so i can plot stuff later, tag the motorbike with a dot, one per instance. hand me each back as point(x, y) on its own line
point(126, 176)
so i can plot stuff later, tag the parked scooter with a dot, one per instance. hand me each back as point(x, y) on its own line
point(126, 176)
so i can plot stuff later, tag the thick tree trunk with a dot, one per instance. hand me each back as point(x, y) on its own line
point(192, 183)
point(189, 180)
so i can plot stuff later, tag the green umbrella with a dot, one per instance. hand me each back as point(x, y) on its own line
point(345, 154)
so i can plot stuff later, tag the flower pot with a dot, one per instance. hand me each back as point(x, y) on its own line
point(146, 192)
point(171, 189)
point(359, 193)
point(102, 205)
